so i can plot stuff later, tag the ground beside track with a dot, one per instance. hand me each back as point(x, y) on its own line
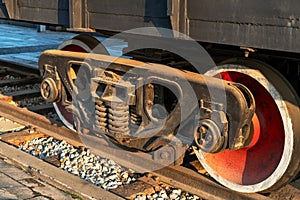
point(23, 45)
point(16, 184)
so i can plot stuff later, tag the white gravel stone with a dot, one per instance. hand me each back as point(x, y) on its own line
point(167, 193)
point(81, 162)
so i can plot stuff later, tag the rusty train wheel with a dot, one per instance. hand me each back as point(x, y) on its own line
point(272, 159)
point(80, 43)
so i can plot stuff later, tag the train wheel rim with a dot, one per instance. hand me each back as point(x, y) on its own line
point(259, 167)
point(80, 43)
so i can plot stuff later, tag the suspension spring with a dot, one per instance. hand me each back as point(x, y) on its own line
point(135, 119)
point(101, 115)
point(118, 118)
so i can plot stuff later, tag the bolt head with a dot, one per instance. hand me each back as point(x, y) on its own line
point(164, 155)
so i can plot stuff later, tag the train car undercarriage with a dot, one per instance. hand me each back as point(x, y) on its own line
point(245, 137)
point(240, 115)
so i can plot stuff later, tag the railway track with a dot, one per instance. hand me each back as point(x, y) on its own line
point(39, 123)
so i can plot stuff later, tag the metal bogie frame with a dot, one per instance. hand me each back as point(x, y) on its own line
point(122, 89)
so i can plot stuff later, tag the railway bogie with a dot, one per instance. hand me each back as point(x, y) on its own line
point(239, 115)
point(122, 98)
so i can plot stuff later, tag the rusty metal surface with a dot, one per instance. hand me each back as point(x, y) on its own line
point(237, 108)
point(18, 138)
point(5, 98)
point(41, 123)
point(195, 183)
point(138, 187)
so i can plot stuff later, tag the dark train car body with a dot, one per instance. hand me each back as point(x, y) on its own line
point(271, 24)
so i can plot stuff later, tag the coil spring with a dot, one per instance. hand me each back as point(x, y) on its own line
point(101, 115)
point(135, 119)
point(118, 119)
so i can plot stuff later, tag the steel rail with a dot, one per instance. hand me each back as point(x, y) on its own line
point(177, 176)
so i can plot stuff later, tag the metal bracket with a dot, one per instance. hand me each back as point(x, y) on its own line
point(211, 134)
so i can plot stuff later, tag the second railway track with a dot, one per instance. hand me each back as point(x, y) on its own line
point(39, 121)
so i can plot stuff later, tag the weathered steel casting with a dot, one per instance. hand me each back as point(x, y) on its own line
point(145, 106)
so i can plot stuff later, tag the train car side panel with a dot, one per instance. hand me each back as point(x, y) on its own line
point(267, 25)
point(115, 15)
point(48, 12)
